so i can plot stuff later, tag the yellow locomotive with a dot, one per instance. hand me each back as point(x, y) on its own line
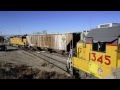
point(98, 55)
point(19, 41)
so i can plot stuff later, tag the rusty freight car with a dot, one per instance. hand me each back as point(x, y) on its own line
point(55, 42)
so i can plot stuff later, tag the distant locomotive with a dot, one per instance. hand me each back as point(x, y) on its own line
point(18, 40)
point(98, 55)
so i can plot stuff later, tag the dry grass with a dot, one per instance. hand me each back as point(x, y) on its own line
point(11, 71)
point(44, 65)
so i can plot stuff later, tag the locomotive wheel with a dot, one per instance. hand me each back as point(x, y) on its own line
point(76, 73)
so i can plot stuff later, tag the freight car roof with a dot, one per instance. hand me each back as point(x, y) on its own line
point(57, 33)
point(105, 34)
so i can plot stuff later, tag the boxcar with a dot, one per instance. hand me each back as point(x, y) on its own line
point(55, 42)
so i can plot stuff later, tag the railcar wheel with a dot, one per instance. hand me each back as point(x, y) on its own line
point(50, 50)
point(63, 52)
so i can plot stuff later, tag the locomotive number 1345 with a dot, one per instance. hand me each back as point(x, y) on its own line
point(102, 59)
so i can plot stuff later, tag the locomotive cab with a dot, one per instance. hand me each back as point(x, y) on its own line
point(19, 41)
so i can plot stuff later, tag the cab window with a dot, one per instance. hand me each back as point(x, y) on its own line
point(99, 46)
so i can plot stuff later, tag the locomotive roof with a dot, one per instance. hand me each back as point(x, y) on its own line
point(18, 36)
point(105, 34)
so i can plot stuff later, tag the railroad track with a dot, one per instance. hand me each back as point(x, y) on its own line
point(56, 62)
point(60, 59)
point(57, 54)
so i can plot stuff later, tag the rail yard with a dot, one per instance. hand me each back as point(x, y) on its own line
point(93, 54)
point(15, 62)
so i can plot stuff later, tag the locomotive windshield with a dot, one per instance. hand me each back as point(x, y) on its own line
point(99, 46)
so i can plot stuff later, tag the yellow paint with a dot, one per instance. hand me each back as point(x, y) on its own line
point(118, 55)
point(18, 41)
point(84, 62)
point(93, 67)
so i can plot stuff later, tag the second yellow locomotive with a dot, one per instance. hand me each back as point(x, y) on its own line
point(19, 41)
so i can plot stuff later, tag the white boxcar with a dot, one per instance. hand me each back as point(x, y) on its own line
point(29, 42)
point(62, 42)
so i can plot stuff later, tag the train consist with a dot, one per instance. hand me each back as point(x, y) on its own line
point(52, 42)
point(95, 53)
point(98, 55)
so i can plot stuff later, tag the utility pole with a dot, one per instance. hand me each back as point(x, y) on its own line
point(19, 30)
point(90, 23)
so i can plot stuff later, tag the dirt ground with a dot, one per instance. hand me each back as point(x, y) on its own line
point(16, 64)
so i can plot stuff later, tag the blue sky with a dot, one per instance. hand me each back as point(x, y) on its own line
point(27, 22)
